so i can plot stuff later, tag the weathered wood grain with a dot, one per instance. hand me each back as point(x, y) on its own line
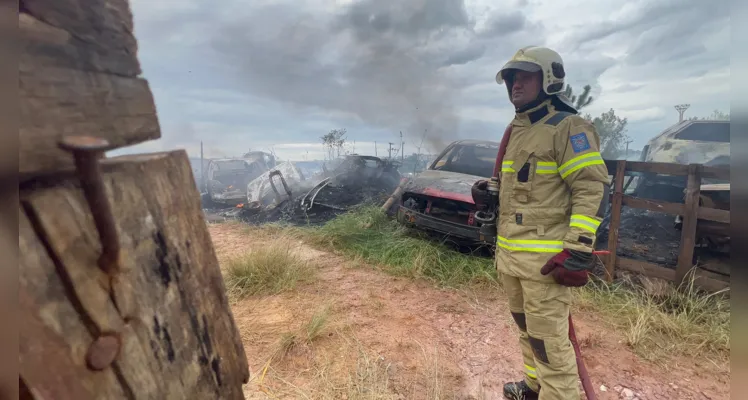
point(615, 221)
point(86, 35)
point(55, 102)
point(690, 220)
point(170, 303)
point(703, 279)
point(53, 335)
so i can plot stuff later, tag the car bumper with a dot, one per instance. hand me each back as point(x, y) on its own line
point(422, 221)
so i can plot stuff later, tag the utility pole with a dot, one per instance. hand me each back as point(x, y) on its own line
point(202, 169)
point(627, 148)
point(375, 149)
point(402, 148)
point(681, 110)
point(390, 151)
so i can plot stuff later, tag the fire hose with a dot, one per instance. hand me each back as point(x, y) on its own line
point(583, 375)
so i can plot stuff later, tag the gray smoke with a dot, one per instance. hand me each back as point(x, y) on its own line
point(384, 61)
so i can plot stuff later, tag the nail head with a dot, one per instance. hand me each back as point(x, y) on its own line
point(84, 143)
point(103, 351)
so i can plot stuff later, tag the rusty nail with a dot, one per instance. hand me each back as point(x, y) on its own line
point(103, 351)
point(87, 151)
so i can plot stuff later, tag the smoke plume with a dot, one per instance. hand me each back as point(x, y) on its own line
point(384, 61)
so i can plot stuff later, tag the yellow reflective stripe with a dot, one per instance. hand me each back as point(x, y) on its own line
point(535, 246)
point(531, 372)
point(584, 222)
point(582, 161)
point(546, 167)
point(506, 166)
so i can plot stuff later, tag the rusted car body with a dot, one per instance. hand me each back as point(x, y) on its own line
point(438, 199)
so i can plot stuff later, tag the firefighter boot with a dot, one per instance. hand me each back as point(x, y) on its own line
point(519, 391)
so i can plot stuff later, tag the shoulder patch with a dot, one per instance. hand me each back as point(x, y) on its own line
point(579, 142)
point(556, 118)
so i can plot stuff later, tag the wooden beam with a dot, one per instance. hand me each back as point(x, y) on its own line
point(674, 169)
point(179, 338)
point(646, 268)
point(690, 218)
point(86, 35)
point(55, 102)
point(703, 279)
point(53, 335)
point(714, 214)
point(615, 220)
point(653, 205)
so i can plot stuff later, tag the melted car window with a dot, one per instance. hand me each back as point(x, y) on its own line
point(468, 159)
point(706, 132)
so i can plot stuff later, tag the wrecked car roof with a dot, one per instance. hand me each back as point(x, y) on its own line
point(692, 142)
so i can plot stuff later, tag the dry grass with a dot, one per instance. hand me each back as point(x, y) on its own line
point(337, 376)
point(271, 269)
point(679, 321)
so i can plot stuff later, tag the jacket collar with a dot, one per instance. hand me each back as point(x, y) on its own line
point(534, 114)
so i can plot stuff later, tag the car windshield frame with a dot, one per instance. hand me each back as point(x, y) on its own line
point(451, 159)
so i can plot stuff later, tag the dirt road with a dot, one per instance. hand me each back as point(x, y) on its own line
point(388, 337)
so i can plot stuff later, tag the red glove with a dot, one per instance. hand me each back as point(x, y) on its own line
point(562, 275)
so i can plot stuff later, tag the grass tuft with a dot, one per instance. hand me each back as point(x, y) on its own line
point(681, 321)
point(268, 270)
point(368, 235)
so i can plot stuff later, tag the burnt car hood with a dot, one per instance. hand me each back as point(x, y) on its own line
point(444, 184)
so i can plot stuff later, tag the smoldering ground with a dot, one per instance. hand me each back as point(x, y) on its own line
point(389, 63)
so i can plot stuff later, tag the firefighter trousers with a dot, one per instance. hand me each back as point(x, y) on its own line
point(541, 311)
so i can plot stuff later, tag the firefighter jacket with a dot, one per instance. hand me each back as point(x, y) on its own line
point(552, 185)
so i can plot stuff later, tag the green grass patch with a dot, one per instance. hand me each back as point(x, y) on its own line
point(268, 270)
point(369, 235)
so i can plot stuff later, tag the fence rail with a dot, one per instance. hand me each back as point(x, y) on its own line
point(691, 213)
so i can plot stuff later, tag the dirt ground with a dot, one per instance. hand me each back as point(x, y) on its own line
point(419, 341)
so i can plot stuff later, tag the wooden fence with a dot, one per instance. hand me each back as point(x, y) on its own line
point(691, 212)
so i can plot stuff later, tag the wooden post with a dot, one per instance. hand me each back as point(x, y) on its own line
point(690, 217)
point(615, 219)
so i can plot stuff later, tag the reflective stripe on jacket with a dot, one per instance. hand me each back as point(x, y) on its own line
point(550, 192)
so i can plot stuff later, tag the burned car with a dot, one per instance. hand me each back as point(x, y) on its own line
point(228, 179)
point(439, 200)
point(688, 142)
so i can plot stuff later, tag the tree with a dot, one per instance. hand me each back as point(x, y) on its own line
point(334, 141)
point(716, 115)
point(583, 100)
point(611, 129)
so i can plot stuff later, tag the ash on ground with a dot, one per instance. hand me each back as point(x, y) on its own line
point(647, 236)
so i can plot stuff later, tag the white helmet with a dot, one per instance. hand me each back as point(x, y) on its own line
point(533, 59)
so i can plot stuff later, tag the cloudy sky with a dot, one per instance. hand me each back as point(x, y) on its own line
point(262, 74)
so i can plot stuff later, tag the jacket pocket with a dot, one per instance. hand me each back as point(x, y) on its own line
point(524, 166)
point(541, 219)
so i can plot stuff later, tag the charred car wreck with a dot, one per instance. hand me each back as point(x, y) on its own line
point(439, 201)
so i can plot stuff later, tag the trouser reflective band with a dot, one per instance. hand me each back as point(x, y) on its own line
point(531, 372)
point(584, 222)
point(580, 162)
point(535, 246)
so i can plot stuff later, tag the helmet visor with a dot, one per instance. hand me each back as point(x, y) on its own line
point(520, 65)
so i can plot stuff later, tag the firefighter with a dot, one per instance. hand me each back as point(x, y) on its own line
point(553, 189)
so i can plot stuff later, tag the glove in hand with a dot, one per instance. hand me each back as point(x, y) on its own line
point(559, 268)
point(480, 194)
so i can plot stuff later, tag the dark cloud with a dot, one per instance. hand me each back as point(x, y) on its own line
point(383, 61)
point(661, 32)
